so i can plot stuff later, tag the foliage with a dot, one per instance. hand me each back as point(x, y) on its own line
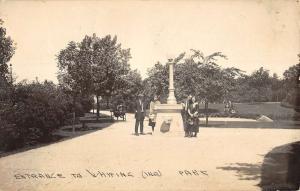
point(202, 76)
point(95, 65)
point(127, 93)
point(259, 87)
point(7, 50)
point(197, 74)
point(292, 85)
point(291, 76)
point(74, 76)
point(214, 83)
point(157, 82)
point(278, 92)
point(39, 108)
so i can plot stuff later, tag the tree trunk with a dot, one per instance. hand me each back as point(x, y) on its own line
point(206, 113)
point(98, 107)
point(74, 114)
point(107, 102)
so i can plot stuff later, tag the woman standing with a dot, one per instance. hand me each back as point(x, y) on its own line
point(184, 114)
point(152, 113)
point(193, 118)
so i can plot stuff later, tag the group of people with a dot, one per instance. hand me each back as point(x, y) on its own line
point(229, 108)
point(190, 115)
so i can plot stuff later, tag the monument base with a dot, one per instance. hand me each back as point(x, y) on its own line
point(169, 119)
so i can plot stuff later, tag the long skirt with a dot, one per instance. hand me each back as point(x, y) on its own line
point(190, 123)
point(195, 126)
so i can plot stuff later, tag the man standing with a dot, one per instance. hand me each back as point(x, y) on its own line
point(139, 115)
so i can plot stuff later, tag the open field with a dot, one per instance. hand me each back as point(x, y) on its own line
point(250, 110)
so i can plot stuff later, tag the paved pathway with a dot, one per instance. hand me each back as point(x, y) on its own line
point(114, 159)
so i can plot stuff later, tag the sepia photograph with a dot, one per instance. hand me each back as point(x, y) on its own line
point(150, 95)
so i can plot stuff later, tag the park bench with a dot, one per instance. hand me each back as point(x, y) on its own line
point(85, 120)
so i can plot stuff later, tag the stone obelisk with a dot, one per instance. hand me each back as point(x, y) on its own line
point(169, 115)
point(171, 98)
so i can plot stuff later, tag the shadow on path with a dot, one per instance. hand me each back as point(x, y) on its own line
point(244, 171)
point(281, 168)
point(62, 134)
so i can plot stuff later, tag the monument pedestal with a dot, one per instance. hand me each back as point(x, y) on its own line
point(169, 118)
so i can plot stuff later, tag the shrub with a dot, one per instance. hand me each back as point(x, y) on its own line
point(37, 110)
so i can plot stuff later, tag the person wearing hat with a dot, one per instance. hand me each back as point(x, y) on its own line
point(139, 114)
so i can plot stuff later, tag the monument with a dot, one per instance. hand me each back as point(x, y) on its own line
point(169, 117)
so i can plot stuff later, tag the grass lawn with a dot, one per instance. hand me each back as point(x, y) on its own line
point(251, 110)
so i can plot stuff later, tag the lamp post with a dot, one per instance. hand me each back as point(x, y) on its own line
point(171, 98)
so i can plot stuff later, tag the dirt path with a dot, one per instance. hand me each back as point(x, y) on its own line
point(219, 159)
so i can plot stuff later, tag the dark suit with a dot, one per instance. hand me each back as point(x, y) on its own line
point(184, 113)
point(139, 115)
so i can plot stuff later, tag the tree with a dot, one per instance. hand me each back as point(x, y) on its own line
point(94, 66)
point(212, 83)
point(157, 82)
point(291, 83)
point(260, 81)
point(74, 76)
point(198, 75)
point(277, 88)
point(243, 92)
point(109, 67)
point(127, 93)
point(290, 76)
point(7, 50)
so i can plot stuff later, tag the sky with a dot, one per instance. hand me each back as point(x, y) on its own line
point(252, 34)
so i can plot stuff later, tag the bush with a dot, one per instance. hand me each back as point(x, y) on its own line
point(37, 110)
point(84, 104)
point(8, 136)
